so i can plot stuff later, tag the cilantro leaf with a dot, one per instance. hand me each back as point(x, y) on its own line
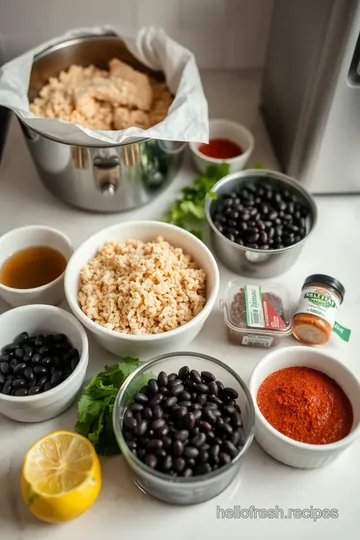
point(96, 404)
point(189, 210)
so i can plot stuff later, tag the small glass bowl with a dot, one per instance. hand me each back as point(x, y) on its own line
point(179, 490)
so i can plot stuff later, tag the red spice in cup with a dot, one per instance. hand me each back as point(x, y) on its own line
point(305, 405)
point(221, 149)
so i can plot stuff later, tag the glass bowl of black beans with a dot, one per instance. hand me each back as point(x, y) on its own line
point(184, 422)
point(43, 361)
point(259, 221)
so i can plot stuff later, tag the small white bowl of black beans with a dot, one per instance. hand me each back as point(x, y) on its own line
point(43, 361)
point(184, 422)
point(259, 221)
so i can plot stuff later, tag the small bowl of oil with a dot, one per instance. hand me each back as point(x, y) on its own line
point(33, 260)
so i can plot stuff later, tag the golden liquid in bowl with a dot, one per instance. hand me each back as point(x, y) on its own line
point(32, 267)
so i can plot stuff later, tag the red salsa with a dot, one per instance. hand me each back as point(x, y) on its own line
point(220, 149)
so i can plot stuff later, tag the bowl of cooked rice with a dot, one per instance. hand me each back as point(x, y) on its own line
point(142, 288)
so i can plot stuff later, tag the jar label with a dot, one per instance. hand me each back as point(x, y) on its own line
point(258, 341)
point(320, 302)
point(259, 311)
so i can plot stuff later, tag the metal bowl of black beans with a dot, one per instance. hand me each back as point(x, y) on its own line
point(184, 422)
point(259, 221)
point(43, 361)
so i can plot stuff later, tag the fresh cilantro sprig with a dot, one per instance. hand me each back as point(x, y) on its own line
point(96, 405)
point(188, 211)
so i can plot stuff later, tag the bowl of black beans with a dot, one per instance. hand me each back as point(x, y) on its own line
point(184, 422)
point(259, 221)
point(43, 361)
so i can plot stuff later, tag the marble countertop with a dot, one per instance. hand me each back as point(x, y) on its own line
point(122, 511)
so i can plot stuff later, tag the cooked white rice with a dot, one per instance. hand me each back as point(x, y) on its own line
point(139, 287)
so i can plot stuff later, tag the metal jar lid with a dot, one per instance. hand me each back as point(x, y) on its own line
point(327, 280)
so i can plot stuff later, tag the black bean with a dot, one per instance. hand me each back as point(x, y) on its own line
point(189, 420)
point(172, 377)
point(190, 385)
point(19, 368)
point(36, 359)
point(19, 383)
point(187, 473)
point(10, 348)
point(148, 413)
point(155, 400)
point(167, 442)
point(12, 364)
point(202, 388)
point(153, 386)
point(21, 339)
point(4, 358)
point(201, 398)
point(185, 403)
point(170, 402)
point(214, 452)
point(179, 464)
point(47, 361)
point(155, 444)
point(158, 424)
point(42, 381)
point(134, 407)
point(177, 390)
point(167, 463)
point(2, 378)
point(209, 416)
point(238, 437)
point(141, 398)
point(141, 453)
point(7, 388)
point(163, 432)
point(224, 458)
point(74, 363)
point(44, 350)
point(178, 448)
point(47, 386)
point(181, 435)
point(141, 428)
point(213, 388)
point(230, 448)
point(129, 420)
point(174, 383)
point(185, 396)
point(34, 390)
point(162, 378)
point(198, 440)
point(191, 451)
point(210, 405)
point(20, 392)
point(164, 391)
point(151, 461)
point(181, 412)
point(202, 468)
point(19, 353)
point(231, 393)
point(40, 370)
point(197, 414)
point(195, 376)
point(236, 419)
point(4, 368)
point(56, 378)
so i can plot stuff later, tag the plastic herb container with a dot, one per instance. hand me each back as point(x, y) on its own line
point(257, 316)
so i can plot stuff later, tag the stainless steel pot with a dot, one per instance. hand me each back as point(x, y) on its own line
point(258, 263)
point(100, 178)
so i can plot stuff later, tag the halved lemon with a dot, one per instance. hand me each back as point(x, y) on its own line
point(61, 477)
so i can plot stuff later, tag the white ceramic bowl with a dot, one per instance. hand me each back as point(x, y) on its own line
point(24, 237)
point(282, 448)
point(143, 345)
point(225, 129)
point(44, 319)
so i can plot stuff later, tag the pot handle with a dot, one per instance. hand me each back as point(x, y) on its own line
point(107, 173)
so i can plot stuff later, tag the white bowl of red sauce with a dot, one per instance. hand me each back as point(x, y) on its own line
point(307, 406)
point(229, 142)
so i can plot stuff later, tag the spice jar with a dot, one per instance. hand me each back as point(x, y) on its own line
point(315, 316)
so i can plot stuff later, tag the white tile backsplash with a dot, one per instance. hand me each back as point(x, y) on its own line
point(221, 33)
